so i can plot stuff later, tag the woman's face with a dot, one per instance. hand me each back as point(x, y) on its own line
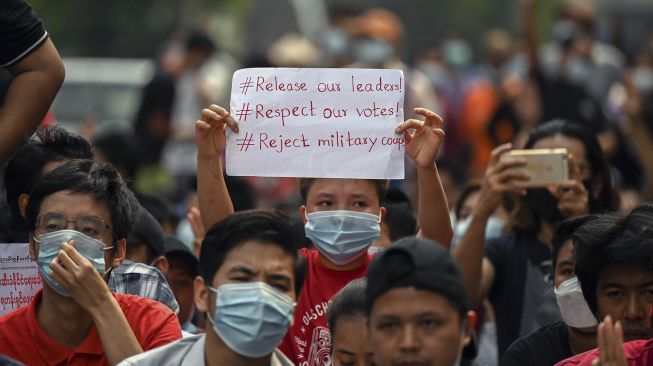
point(574, 147)
point(350, 343)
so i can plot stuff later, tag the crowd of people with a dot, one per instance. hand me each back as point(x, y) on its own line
point(150, 254)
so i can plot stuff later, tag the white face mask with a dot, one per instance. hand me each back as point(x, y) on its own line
point(575, 311)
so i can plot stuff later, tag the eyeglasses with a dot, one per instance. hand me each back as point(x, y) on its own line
point(91, 226)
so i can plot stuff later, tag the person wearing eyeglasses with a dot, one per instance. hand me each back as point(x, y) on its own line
point(78, 217)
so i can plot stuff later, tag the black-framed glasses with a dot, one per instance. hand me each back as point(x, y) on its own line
point(91, 226)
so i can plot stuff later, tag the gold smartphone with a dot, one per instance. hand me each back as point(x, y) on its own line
point(543, 166)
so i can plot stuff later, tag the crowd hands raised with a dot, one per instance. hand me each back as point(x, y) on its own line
point(347, 273)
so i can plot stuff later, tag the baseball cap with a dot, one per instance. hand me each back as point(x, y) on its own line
point(420, 263)
point(147, 231)
point(177, 249)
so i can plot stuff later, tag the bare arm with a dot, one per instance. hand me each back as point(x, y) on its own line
point(422, 147)
point(37, 78)
point(469, 253)
point(90, 292)
point(214, 200)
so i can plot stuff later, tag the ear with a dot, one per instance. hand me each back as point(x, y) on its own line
point(23, 199)
point(382, 213)
point(121, 249)
point(302, 213)
point(33, 247)
point(162, 264)
point(201, 295)
point(470, 324)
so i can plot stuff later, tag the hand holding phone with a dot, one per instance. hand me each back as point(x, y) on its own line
point(544, 167)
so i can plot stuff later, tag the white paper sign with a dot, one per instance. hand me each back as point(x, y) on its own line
point(19, 277)
point(318, 123)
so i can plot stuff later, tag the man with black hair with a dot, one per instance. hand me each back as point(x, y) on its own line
point(577, 333)
point(50, 147)
point(613, 255)
point(78, 217)
point(417, 305)
point(183, 267)
point(249, 275)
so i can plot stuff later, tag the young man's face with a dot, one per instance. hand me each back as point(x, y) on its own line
point(252, 261)
point(416, 327)
point(625, 292)
point(180, 278)
point(74, 206)
point(342, 194)
point(351, 346)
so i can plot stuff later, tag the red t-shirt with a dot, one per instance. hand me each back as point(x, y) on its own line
point(638, 353)
point(23, 339)
point(308, 341)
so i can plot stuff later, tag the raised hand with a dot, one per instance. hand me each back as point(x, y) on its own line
point(210, 131)
point(611, 344)
point(423, 144)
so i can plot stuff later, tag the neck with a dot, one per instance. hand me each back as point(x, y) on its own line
point(62, 319)
point(545, 234)
point(216, 353)
point(345, 267)
point(581, 341)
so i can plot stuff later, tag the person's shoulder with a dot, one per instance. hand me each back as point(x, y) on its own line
point(536, 341)
point(131, 304)
point(639, 351)
point(309, 254)
point(583, 359)
point(169, 354)
point(17, 316)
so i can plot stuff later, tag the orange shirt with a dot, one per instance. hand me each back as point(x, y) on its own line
point(23, 339)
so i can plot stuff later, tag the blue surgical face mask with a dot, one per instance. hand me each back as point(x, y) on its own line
point(50, 244)
point(493, 229)
point(372, 52)
point(251, 318)
point(342, 235)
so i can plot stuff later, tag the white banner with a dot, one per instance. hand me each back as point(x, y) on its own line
point(318, 123)
point(19, 277)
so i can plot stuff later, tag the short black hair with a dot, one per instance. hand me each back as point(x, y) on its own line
point(613, 238)
point(269, 227)
point(399, 217)
point(120, 148)
point(100, 180)
point(563, 232)
point(48, 144)
point(347, 303)
point(380, 186)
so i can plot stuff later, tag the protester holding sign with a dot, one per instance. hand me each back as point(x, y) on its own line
point(78, 217)
point(341, 217)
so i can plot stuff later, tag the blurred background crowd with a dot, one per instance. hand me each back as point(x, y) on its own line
point(138, 74)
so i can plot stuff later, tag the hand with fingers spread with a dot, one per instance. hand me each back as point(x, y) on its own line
point(573, 198)
point(210, 131)
point(80, 278)
point(501, 177)
point(423, 144)
point(611, 344)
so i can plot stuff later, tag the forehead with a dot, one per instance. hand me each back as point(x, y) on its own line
point(574, 146)
point(565, 253)
point(258, 257)
point(408, 302)
point(342, 186)
point(73, 205)
point(625, 274)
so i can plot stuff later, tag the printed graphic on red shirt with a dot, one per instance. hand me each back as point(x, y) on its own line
point(308, 340)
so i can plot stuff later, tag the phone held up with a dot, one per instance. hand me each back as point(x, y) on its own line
point(544, 167)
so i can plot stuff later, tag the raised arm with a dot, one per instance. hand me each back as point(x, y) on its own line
point(422, 147)
point(469, 253)
point(214, 201)
point(37, 78)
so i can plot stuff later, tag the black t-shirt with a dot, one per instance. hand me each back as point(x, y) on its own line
point(522, 266)
point(544, 347)
point(21, 31)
